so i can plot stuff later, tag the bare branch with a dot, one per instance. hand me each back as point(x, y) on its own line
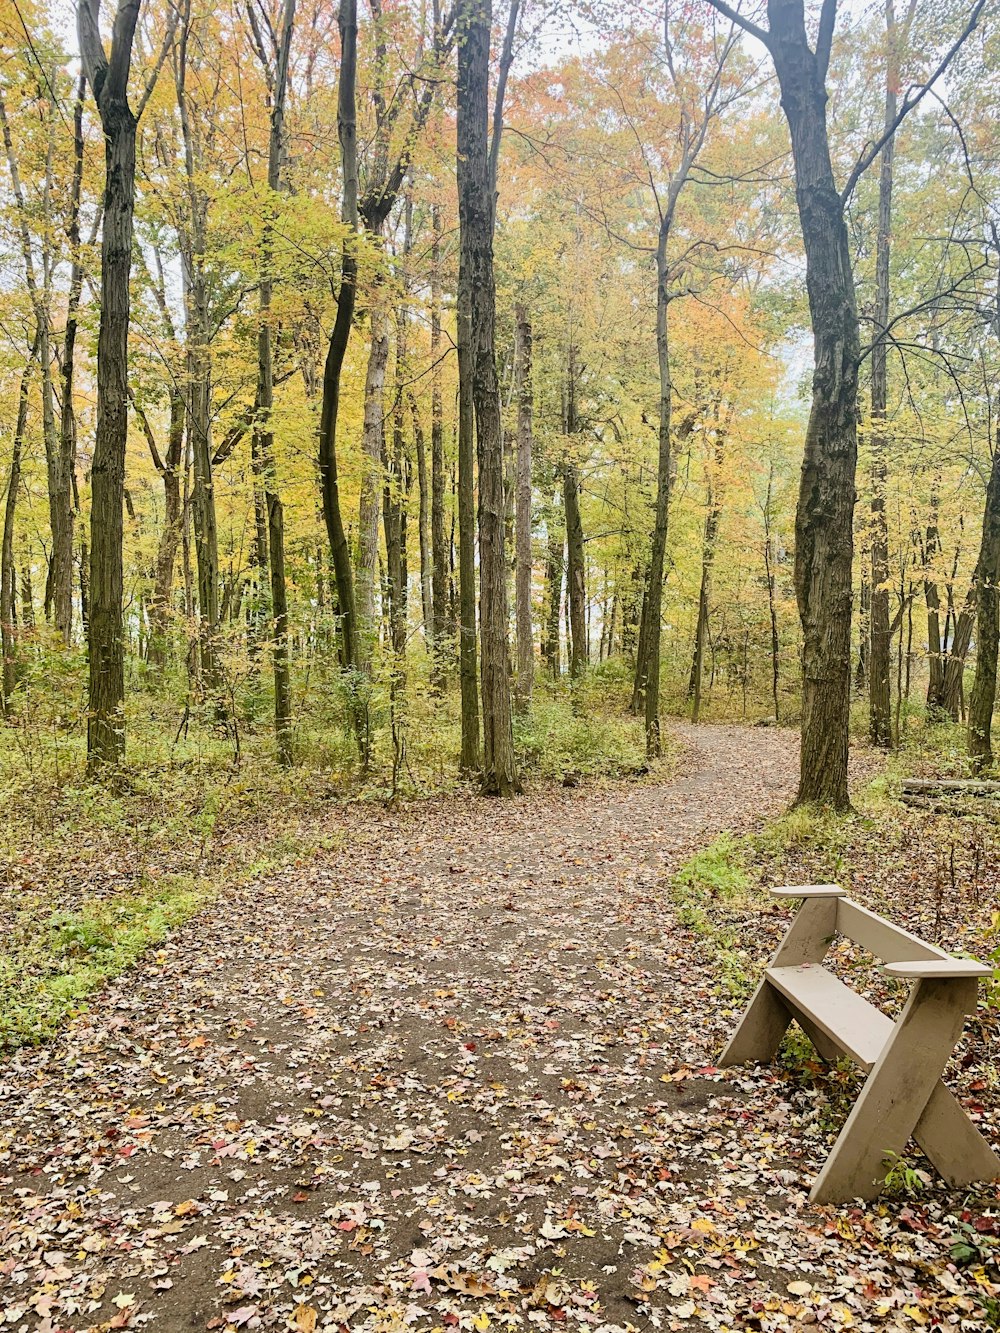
point(912, 99)
point(761, 34)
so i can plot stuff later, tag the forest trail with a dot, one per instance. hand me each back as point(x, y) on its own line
point(458, 1069)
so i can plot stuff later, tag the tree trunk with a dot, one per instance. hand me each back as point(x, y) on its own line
point(170, 535)
point(59, 585)
point(8, 591)
point(372, 453)
point(478, 298)
point(932, 600)
point(109, 81)
point(575, 572)
point(265, 400)
point(984, 687)
point(468, 671)
point(824, 538)
point(206, 541)
point(554, 557)
point(771, 602)
point(522, 556)
point(958, 651)
point(646, 690)
point(192, 238)
point(439, 541)
point(880, 701)
point(712, 519)
point(339, 337)
point(424, 528)
point(864, 629)
point(394, 506)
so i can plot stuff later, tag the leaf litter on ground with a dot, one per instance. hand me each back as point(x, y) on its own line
point(458, 1074)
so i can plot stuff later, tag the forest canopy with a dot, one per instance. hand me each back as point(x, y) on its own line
point(400, 388)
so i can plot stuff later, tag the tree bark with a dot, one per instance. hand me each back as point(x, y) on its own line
point(339, 337)
point(771, 600)
point(479, 299)
point(646, 692)
point(522, 555)
point(880, 701)
point(712, 520)
point(958, 651)
point(439, 541)
point(984, 687)
point(575, 572)
point(193, 238)
point(8, 590)
point(932, 600)
point(265, 401)
point(170, 534)
point(372, 453)
point(394, 506)
point(468, 670)
point(109, 80)
point(423, 526)
point(554, 558)
point(824, 538)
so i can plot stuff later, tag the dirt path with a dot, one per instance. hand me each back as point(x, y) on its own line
point(452, 1075)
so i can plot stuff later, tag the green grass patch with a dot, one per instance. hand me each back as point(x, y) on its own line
point(50, 975)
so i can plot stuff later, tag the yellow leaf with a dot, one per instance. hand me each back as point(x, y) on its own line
point(304, 1319)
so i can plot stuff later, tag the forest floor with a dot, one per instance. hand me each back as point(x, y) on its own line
point(457, 1073)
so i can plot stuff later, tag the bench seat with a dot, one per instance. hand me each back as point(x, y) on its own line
point(851, 1022)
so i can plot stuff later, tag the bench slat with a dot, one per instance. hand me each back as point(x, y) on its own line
point(890, 943)
point(854, 1025)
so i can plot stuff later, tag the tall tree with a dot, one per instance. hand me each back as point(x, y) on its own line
point(576, 577)
point(880, 703)
point(697, 113)
point(477, 297)
point(8, 592)
point(192, 234)
point(439, 545)
point(347, 131)
point(264, 429)
point(824, 535)
point(108, 76)
point(522, 525)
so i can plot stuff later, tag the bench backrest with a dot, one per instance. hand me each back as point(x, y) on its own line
point(836, 913)
point(890, 943)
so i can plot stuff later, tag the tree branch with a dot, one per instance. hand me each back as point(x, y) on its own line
point(912, 99)
point(761, 34)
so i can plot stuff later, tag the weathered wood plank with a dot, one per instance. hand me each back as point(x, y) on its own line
point(850, 1022)
point(939, 967)
point(808, 891)
point(953, 1143)
point(890, 943)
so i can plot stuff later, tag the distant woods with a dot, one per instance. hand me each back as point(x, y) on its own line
point(359, 358)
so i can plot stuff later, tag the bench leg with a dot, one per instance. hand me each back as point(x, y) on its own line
point(825, 1048)
point(761, 1029)
point(767, 1017)
point(897, 1091)
point(952, 1142)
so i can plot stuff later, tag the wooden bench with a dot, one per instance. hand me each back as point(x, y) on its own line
point(903, 1095)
